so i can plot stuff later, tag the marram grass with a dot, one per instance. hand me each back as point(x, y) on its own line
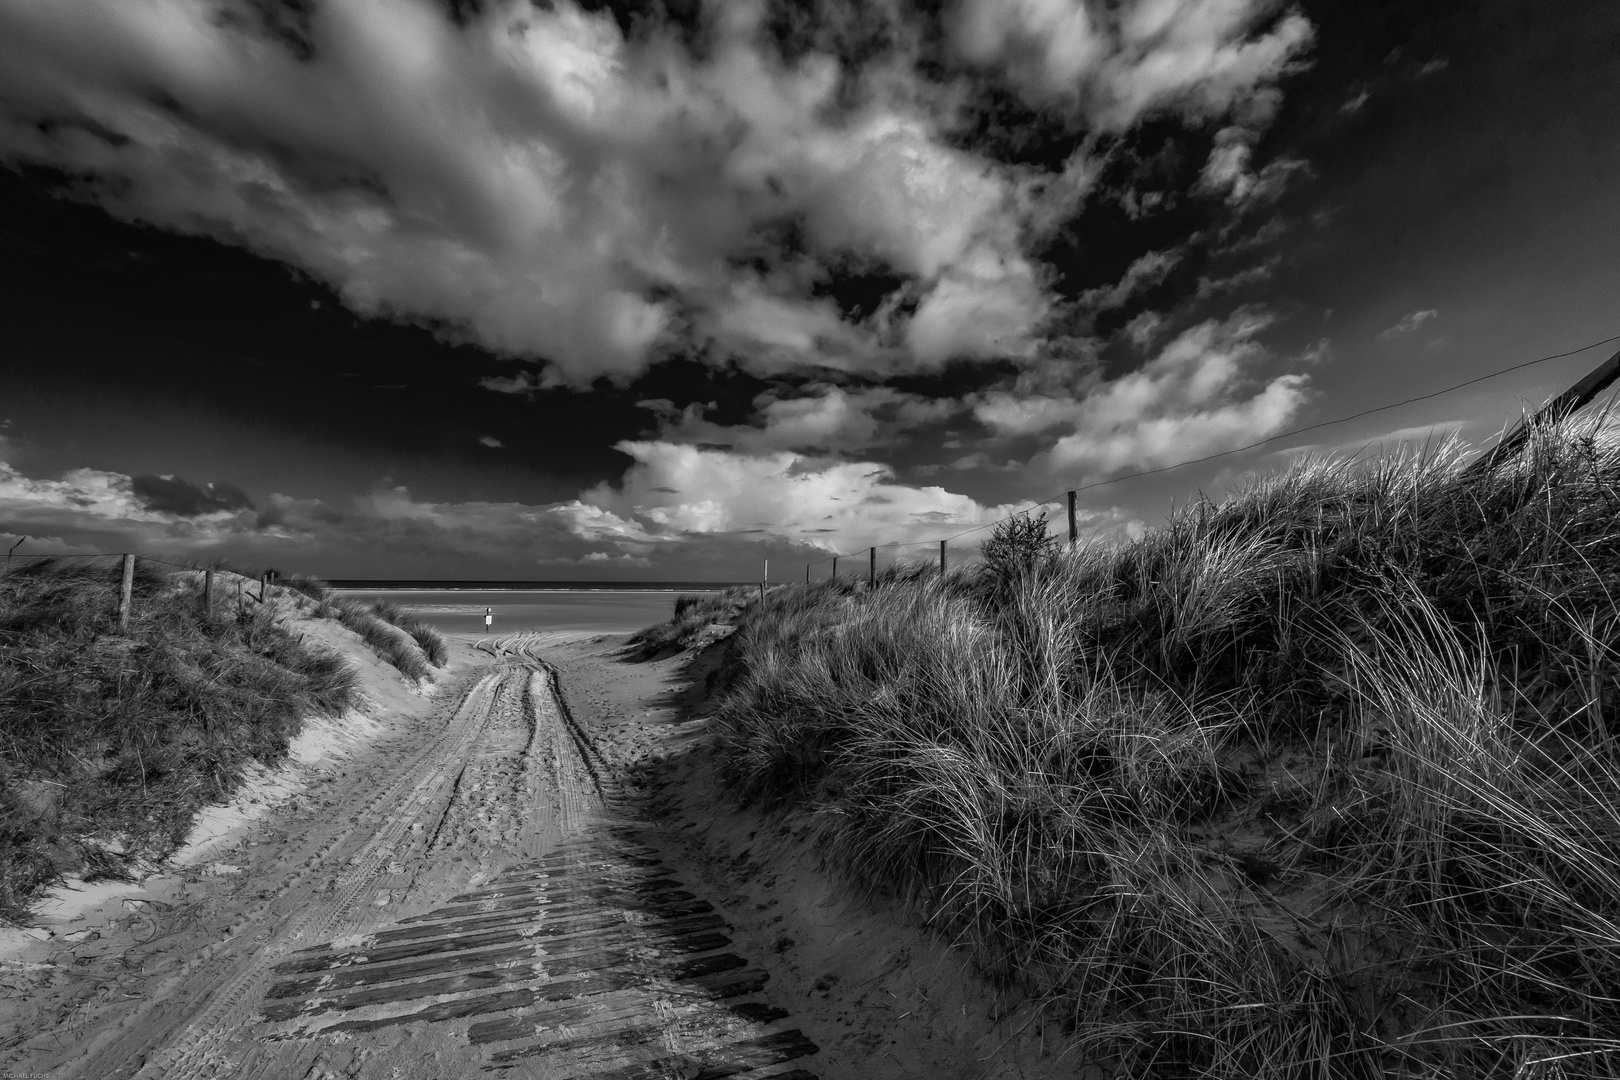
point(1320, 780)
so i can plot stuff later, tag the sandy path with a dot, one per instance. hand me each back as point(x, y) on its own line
point(533, 874)
point(471, 895)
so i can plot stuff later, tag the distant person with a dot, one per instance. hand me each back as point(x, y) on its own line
point(489, 619)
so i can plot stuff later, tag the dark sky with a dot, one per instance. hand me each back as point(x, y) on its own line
point(382, 288)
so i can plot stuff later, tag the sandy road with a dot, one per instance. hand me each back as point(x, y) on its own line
point(478, 899)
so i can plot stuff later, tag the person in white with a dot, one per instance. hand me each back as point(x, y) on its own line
point(489, 619)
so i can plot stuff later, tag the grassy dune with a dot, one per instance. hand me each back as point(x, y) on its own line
point(1320, 780)
point(122, 736)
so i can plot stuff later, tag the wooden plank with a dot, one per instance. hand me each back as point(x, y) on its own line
point(556, 891)
point(718, 1062)
point(618, 1012)
point(727, 985)
point(432, 965)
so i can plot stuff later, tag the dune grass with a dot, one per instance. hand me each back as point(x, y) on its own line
point(1320, 780)
point(122, 736)
point(409, 645)
point(429, 640)
point(693, 613)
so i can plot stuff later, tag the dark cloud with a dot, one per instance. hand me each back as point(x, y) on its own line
point(179, 496)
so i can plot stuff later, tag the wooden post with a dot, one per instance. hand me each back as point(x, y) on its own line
point(942, 557)
point(807, 573)
point(125, 593)
point(208, 592)
point(264, 586)
point(1073, 531)
point(871, 577)
point(835, 568)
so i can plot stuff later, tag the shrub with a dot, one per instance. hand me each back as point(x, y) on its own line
point(1017, 546)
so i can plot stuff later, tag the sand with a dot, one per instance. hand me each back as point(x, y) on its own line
point(378, 819)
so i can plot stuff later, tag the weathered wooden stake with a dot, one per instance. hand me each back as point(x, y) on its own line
point(264, 586)
point(871, 577)
point(208, 592)
point(942, 556)
point(807, 573)
point(126, 592)
point(1073, 531)
point(835, 567)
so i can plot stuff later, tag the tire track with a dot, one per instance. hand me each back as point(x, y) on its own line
point(583, 956)
point(589, 960)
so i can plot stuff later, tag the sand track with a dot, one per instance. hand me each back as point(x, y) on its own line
point(480, 901)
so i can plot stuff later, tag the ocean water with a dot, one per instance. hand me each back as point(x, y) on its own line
point(461, 611)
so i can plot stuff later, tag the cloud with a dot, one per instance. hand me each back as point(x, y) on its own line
point(536, 181)
point(1147, 271)
point(819, 418)
point(700, 492)
point(174, 495)
point(1408, 324)
point(1118, 63)
point(1200, 395)
point(1229, 172)
point(737, 504)
point(490, 441)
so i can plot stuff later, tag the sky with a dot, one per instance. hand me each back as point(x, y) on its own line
point(663, 289)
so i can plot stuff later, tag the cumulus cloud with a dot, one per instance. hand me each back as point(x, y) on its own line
point(1200, 395)
point(698, 491)
point(540, 183)
point(1408, 324)
point(1118, 62)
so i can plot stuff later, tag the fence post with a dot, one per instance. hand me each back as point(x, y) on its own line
point(1073, 532)
point(942, 557)
point(835, 568)
point(871, 576)
point(125, 592)
point(208, 592)
point(807, 573)
point(264, 586)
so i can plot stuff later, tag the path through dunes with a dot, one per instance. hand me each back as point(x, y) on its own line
point(482, 901)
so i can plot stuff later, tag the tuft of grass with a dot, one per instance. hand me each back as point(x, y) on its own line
point(392, 645)
point(693, 613)
point(1320, 780)
point(312, 587)
point(124, 735)
point(428, 639)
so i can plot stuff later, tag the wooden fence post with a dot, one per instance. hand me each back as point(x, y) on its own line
point(871, 576)
point(1073, 531)
point(942, 557)
point(807, 573)
point(208, 592)
point(125, 593)
point(835, 568)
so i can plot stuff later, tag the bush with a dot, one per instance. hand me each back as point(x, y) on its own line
point(109, 734)
point(1316, 781)
point(1017, 546)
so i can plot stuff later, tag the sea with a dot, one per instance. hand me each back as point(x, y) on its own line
point(598, 607)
